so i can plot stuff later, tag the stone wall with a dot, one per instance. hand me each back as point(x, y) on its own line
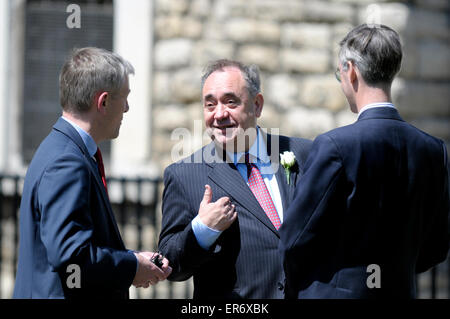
point(295, 44)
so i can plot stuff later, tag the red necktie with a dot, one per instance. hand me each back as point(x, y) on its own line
point(259, 189)
point(101, 168)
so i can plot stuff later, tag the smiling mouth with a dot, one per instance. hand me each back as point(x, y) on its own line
point(224, 127)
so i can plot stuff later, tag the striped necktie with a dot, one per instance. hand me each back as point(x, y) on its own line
point(259, 189)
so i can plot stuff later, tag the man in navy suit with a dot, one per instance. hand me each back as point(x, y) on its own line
point(371, 210)
point(222, 206)
point(70, 246)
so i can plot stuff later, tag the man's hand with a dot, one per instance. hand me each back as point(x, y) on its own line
point(148, 273)
point(218, 215)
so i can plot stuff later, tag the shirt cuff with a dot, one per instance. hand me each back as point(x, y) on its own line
point(205, 236)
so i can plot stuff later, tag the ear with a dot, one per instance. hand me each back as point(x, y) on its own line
point(352, 72)
point(100, 101)
point(259, 103)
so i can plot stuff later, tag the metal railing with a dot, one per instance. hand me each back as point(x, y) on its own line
point(136, 203)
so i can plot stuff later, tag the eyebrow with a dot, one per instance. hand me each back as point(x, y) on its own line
point(230, 94)
point(208, 96)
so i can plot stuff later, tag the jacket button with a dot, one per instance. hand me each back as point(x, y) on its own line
point(280, 286)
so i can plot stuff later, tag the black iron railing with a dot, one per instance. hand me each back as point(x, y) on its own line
point(136, 203)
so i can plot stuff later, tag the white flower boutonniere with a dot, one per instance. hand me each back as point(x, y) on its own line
point(287, 160)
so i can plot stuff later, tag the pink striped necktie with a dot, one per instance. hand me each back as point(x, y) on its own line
point(259, 189)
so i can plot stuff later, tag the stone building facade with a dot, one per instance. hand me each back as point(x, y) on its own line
point(295, 44)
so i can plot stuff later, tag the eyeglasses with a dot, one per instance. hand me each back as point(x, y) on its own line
point(337, 74)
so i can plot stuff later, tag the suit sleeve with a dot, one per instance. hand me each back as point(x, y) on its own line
point(177, 240)
point(436, 244)
point(312, 213)
point(66, 227)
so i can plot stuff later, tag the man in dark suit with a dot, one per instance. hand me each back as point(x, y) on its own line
point(371, 210)
point(70, 245)
point(221, 212)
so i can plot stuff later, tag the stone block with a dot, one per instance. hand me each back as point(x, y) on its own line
point(244, 30)
point(177, 27)
point(311, 35)
point(407, 20)
point(326, 11)
point(410, 60)
point(213, 30)
point(270, 117)
point(195, 114)
point(161, 88)
point(322, 91)
point(166, 118)
point(394, 15)
point(210, 50)
point(264, 56)
point(186, 85)
point(429, 24)
point(434, 4)
point(345, 117)
point(307, 123)
point(339, 31)
point(174, 53)
point(421, 98)
point(171, 7)
point(288, 10)
point(434, 60)
point(305, 60)
point(282, 91)
point(358, 2)
point(200, 8)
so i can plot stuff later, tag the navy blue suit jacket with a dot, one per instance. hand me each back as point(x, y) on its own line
point(66, 218)
point(244, 261)
point(373, 192)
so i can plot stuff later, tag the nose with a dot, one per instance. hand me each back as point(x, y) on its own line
point(127, 107)
point(221, 112)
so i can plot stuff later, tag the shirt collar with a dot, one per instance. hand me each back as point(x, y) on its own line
point(374, 105)
point(258, 150)
point(87, 139)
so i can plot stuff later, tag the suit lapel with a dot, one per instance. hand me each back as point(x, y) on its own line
point(65, 128)
point(226, 176)
point(276, 146)
point(102, 191)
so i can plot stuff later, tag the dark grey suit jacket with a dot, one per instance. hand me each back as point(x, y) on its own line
point(244, 262)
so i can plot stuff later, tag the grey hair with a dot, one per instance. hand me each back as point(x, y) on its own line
point(88, 71)
point(250, 73)
point(375, 50)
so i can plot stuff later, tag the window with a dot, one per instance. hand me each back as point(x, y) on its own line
point(48, 40)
